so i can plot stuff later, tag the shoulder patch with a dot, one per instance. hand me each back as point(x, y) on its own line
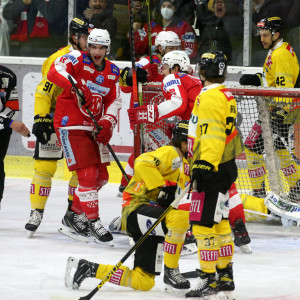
point(114, 69)
point(86, 59)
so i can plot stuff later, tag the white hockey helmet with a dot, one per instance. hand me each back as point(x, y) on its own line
point(177, 57)
point(99, 37)
point(167, 38)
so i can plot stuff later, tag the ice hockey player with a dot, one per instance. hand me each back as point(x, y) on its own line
point(281, 69)
point(165, 42)
point(9, 108)
point(214, 143)
point(180, 90)
point(84, 147)
point(47, 149)
point(151, 190)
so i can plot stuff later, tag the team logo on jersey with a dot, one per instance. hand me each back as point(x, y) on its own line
point(269, 61)
point(148, 225)
point(71, 58)
point(100, 79)
point(188, 36)
point(86, 59)
point(114, 69)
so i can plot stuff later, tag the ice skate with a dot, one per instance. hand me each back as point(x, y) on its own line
point(190, 244)
point(75, 226)
point(78, 270)
point(225, 281)
point(207, 287)
point(175, 283)
point(241, 236)
point(36, 216)
point(99, 233)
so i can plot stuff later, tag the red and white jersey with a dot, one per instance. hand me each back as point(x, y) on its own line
point(103, 85)
point(180, 91)
point(183, 29)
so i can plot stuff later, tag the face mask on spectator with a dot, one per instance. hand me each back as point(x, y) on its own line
point(167, 13)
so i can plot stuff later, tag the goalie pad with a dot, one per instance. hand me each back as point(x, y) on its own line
point(282, 208)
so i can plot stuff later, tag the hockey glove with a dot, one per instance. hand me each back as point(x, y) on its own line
point(152, 70)
point(167, 194)
point(43, 128)
point(86, 94)
point(278, 115)
point(202, 175)
point(251, 79)
point(143, 114)
point(107, 124)
point(126, 75)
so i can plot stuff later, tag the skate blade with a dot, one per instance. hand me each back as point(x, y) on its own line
point(176, 292)
point(110, 243)
point(64, 230)
point(30, 234)
point(246, 249)
point(72, 263)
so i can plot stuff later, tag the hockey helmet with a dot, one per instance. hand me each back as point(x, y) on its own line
point(167, 38)
point(274, 24)
point(99, 37)
point(177, 57)
point(180, 132)
point(80, 26)
point(214, 63)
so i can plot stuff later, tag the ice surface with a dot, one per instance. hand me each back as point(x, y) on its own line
point(33, 269)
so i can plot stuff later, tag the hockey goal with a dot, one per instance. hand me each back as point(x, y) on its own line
point(268, 122)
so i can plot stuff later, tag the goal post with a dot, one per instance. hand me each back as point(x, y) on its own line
point(275, 114)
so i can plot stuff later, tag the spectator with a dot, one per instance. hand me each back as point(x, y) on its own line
point(9, 107)
point(102, 18)
point(81, 6)
point(42, 26)
point(168, 21)
point(4, 31)
point(221, 29)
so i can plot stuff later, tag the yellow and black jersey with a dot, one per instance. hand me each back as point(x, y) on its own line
point(46, 92)
point(281, 67)
point(212, 133)
point(151, 171)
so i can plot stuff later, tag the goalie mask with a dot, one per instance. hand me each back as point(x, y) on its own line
point(180, 133)
point(177, 58)
point(167, 39)
point(99, 37)
point(214, 63)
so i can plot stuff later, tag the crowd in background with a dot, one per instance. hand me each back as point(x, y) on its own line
point(39, 27)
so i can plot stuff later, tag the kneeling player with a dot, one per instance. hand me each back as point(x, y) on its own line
point(151, 189)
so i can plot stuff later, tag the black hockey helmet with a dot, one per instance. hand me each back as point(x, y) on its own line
point(180, 132)
point(274, 24)
point(214, 63)
point(80, 26)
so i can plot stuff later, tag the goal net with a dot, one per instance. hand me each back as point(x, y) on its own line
point(268, 123)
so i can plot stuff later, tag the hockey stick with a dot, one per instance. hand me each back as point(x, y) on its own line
point(82, 100)
point(137, 244)
point(149, 32)
point(261, 214)
point(288, 148)
point(137, 133)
